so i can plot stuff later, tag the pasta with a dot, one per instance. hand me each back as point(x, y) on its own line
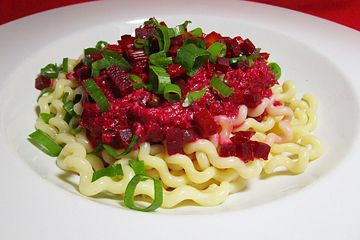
point(199, 174)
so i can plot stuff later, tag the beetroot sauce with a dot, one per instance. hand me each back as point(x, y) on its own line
point(154, 119)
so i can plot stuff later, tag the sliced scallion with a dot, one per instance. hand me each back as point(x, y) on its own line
point(116, 154)
point(275, 69)
point(89, 51)
point(130, 192)
point(45, 143)
point(139, 43)
point(111, 171)
point(115, 58)
point(50, 71)
point(98, 96)
point(197, 41)
point(220, 86)
point(193, 96)
point(179, 29)
point(99, 65)
point(136, 81)
point(192, 58)
point(159, 78)
point(45, 91)
point(101, 45)
point(172, 92)
point(217, 49)
point(46, 117)
point(65, 65)
point(138, 166)
point(160, 59)
point(197, 32)
point(164, 38)
point(69, 108)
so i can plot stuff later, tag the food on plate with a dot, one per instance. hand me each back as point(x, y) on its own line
point(170, 115)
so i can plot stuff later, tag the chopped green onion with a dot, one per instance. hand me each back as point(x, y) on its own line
point(275, 69)
point(130, 191)
point(65, 65)
point(197, 41)
point(139, 43)
point(46, 117)
point(65, 96)
point(115, 58)
point(89, 51)
point(97, 149)
point(111, 171)
point(45, 143)
point(193, 96)
point(116, 154)
point(179, 29)
point(164, 38)
point(152, 22)
point(69, 108)
point(159, 78)
point(238, 59)
point(216, 50)
point(50, 71)
point(136, 81)
point(160, 59)
point(45, 91)
point(101, 45)
point(99, 65)
point(172, 92)
point(138, 166)
point(98, 96)
point(192, 58)
point(74, 125)
point(197, 32)
point(220, 86)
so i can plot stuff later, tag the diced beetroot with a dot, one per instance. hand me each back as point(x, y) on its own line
point(126, 42)
point(235, 48)
point(261, 150)
point(175, 70)
point(227, 149)
point(242, 136)
point(264, 55)
point(174, 141)
point(247, 47)
point(82, 72)
point(206, 123)
point(144, 32)
point(136, 55)
point(211, 38)
point(94, 57)
point(252, 99)
point(244, 151)
point(222, 64)
point(238, 39)
point(120, 78)
point(277, 103)
point(114, 48)
point(42, 82)
point(155, 134)
point(70, 75)
point(261, 117)
point(189, 135)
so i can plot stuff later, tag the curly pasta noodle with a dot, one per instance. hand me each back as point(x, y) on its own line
point(200, 175)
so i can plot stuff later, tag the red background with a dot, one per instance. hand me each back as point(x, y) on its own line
point(346, 12)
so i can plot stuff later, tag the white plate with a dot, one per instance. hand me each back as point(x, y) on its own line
point(321, 57)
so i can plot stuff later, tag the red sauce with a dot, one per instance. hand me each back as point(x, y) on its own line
point(156, 120)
